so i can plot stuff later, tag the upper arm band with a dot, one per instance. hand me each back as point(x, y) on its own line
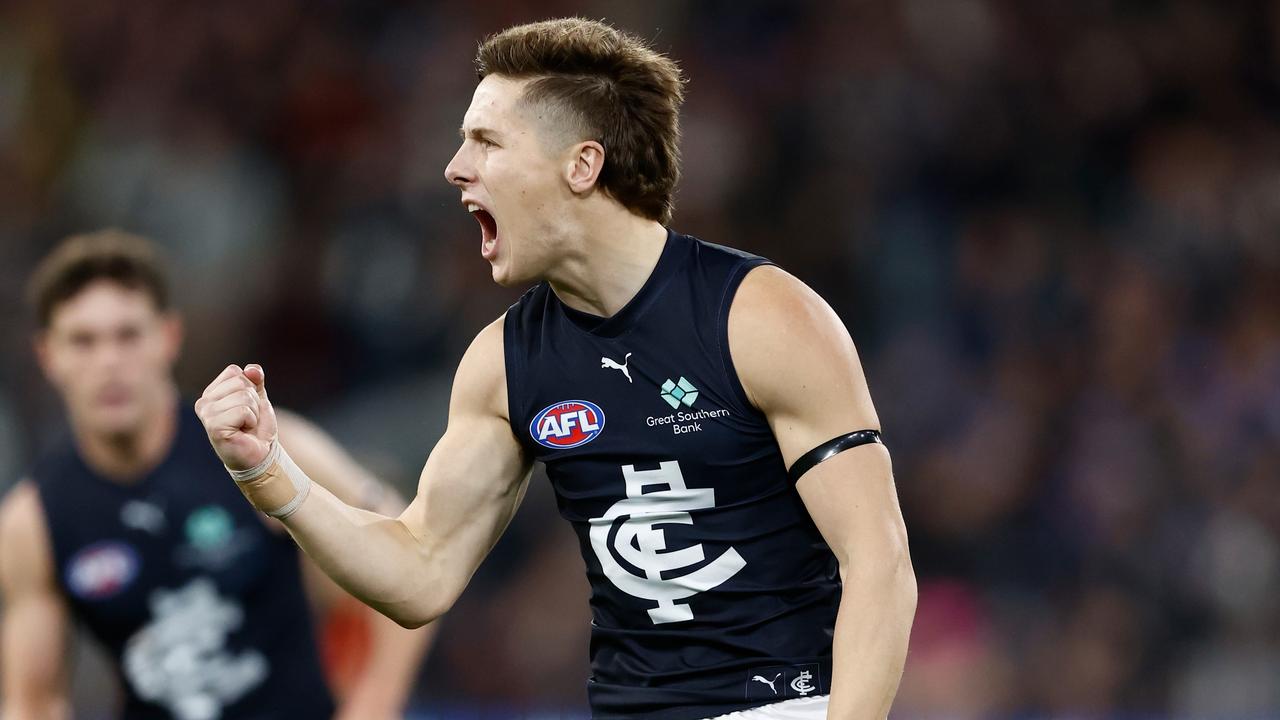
point(830, 449)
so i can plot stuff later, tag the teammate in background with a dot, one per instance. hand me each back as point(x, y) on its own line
point(132, 529)
point(702, 415)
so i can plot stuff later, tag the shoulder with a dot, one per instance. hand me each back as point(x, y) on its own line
point(25, 553)
point(21, 510)
point(480, 384)
point(774, 293)
point(796, 362)
point(779, 324)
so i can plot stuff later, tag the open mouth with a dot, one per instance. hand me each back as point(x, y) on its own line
point(488, 231)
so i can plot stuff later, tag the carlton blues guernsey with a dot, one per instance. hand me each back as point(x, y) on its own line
point(199, 602)
point(711, 589)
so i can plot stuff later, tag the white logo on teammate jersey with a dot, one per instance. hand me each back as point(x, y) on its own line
point(612, 364)
point(144, 516)
point(180, 659)
point(645, 547)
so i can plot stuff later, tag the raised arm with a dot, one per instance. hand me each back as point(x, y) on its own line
point(798, 365)
point(385, 680)
point(327, 463)
point(33, 628)
point(413, 567)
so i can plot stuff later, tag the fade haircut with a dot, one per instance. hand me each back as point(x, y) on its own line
point(608, 86)
point(80, 260)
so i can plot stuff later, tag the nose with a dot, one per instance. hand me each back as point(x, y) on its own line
point(459, 171)
point(108, 354)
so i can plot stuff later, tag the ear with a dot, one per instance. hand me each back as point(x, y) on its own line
point(40, 346)
point(586, 161)
point(171, 326)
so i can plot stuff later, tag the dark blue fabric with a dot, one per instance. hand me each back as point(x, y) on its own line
point(760, 625)
point(184, 584)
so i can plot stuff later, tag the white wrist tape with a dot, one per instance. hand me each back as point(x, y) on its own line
point(276, 486)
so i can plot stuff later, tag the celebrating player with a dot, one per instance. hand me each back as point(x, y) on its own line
point(702, 415)
point(132, 529)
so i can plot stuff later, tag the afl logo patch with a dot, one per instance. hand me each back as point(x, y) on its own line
point(567, 424)
point(102, 569)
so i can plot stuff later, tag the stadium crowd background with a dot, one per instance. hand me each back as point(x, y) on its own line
point(1052, 228)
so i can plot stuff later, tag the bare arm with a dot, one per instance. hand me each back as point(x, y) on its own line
point(328, 464)
point(413, 567)
point(798, 365)
point(33, 629)
point(386, 679)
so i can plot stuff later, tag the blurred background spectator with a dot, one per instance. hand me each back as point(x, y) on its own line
point(1052, 228)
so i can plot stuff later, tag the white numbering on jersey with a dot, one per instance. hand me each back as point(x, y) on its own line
point(180, 659)
point(645, 546)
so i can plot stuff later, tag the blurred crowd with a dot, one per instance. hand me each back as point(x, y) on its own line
point(1052, 228)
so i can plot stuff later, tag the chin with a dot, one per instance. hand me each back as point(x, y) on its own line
point(504, 276)
point(504, 280)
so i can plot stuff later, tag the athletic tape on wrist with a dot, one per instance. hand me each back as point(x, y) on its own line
point(276, 486)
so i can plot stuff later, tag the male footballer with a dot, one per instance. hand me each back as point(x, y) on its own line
point(702, 415)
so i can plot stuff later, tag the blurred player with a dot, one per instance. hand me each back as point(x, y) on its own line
point(702, 415)
point(132, 529)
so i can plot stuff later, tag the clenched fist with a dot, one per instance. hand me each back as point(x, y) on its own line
point(238, 416)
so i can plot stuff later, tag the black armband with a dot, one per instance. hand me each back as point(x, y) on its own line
point(830, 449)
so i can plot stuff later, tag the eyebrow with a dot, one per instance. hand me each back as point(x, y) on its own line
point(477, 132)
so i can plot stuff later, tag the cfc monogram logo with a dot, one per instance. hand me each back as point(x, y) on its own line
point(644, 546)
point(802, 683)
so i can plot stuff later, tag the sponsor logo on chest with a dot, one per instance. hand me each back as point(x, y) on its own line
point(677, 393)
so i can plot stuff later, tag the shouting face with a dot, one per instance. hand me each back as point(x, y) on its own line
point(512, 170)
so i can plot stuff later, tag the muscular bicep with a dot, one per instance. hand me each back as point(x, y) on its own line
point(799, 366)
point(476, 475)
point(854, 503)
point(33, 627)
point(470, 489)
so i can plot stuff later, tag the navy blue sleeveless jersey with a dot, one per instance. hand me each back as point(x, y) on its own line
point(200, 603)
point(711, 589)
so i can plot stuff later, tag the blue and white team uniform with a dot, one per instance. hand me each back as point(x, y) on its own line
point(712, 591)
point(197, 600)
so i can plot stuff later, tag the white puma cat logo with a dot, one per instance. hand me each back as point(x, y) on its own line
point(613, 365)
point(770, 683)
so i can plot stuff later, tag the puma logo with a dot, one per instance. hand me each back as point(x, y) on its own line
point(770, 683)
point(613, 365)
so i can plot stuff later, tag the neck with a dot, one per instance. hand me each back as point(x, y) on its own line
point(127, 457)
point(609, 259)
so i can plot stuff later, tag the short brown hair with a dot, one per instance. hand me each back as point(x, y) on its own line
point(615, 88)
point(115, 255)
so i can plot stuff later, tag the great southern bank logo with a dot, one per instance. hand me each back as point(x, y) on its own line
point(567, 424)
point(678, 392)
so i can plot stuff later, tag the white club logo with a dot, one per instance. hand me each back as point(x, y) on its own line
point(801, 684)
point(644, 546)
point(182, 659)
